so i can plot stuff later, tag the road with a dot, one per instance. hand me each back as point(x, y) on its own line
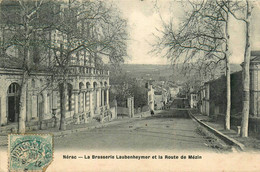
point(168, 130)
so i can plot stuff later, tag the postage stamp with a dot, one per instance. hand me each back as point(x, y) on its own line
point(30, 152)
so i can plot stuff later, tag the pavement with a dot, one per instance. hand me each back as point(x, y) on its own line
point(166, 130)
point(73, 128)
point(169, 130)
point(138, 127)
point(231, 136)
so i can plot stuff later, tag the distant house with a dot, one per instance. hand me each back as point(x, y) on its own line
point(212, 95)
point(193, 99)
point(158, 100)
point(165, 95)
point(174, 90)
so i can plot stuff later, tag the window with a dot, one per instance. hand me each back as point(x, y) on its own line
point(13, 88)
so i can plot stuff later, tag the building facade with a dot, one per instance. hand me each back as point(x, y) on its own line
point(158, 100)
point(255, 84)
point(212, 96)
point(87, 90)
point(193, 99)
point(87, 96)
point(174, 92)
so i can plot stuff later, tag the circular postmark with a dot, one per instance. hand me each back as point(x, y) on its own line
point(30, 152)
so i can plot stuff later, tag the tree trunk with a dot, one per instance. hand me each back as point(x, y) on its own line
point(228, 96)
point(22, 103)
point(227, 118)
point(246, 76)
point(63, 97)
point(25, 77)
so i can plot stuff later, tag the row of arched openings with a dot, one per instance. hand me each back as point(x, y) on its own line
point(87, 96)
point(13, 98)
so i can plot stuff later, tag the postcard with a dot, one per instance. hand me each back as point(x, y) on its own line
point(129, 85)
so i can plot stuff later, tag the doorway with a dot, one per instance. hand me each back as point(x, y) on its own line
point(13, 99)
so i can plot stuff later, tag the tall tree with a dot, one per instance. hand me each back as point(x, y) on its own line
point(90, 27)
point(246, 73)
point(219, 11)
point(56, 32)
point(242, 11)
point(202, 36)
point(20, 23)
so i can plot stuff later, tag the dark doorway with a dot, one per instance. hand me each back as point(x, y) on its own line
point(13, 97)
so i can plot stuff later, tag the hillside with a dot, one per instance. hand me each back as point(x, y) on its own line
point(160, 72)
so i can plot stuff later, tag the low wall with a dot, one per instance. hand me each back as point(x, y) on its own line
point(30, 126)
point(143, 109)
point(50, 123)
point(69, 114)
point(122, 111)
point(114, 112)
point(143, 114)
point(253, 126)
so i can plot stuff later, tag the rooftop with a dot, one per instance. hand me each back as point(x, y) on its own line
point(255, 53)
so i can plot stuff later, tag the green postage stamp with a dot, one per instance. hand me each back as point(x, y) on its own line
point(30, 152)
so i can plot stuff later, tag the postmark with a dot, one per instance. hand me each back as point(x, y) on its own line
point(30, 152)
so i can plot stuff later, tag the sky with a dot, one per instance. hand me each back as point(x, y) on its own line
point(144, 20)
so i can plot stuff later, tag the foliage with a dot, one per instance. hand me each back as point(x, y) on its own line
point(140, 95)
point(24, 33)
point(88, 32)
point(124, 86)
point(54, 35)
point(198, 41)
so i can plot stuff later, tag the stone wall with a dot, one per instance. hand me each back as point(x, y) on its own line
point(253, 127)
point(30, 126)
point(114, 112)
point(122, 111)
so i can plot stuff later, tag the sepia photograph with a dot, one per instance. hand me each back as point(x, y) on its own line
point(129, 85)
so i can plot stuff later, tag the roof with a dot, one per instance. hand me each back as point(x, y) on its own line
point(255, 55)
point(255, 59)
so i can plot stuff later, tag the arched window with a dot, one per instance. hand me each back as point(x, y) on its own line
point(81, 85)
point(87, 85)
point(14, 88)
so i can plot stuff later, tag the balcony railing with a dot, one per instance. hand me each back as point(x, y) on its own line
point(86, 70)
